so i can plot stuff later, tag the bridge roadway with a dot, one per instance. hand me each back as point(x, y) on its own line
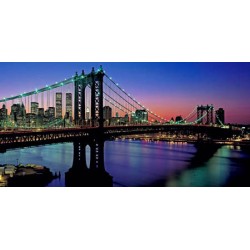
point(22, 138)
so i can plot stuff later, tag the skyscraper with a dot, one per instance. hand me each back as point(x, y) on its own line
point(220, 116)
point(3, 113)
point(69, 104)
point(59, 105)
point(142, 115)
point(18, 113)
point(40, 117)
point(34, 108)
point(51, 112)
point(107, 112)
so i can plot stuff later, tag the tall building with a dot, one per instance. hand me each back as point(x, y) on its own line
point(49, 114)
point(133, 118)
point(126, 119)
point(69, 104)
point(220, 116)
point(40, 117)
point(52, 112)
point(34, 108)
point(142, 115)
point(3, 113)
point(59, 105)
point(107, 112)
point(18, 114)
point(31, 120)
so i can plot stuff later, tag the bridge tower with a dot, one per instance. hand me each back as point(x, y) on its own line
point(97, 97)
point(209, 109)
point(79, 109)
point(95, 81)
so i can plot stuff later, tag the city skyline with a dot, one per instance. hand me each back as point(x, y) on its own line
point(169, 89)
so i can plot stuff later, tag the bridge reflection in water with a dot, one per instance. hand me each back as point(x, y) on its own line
point(80, 175)
point(203, 169)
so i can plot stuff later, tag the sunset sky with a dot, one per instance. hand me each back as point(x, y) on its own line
point(168, 89)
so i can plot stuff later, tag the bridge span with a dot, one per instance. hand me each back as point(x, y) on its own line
point(22, 138)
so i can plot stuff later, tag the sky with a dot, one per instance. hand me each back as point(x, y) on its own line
point(168, 89)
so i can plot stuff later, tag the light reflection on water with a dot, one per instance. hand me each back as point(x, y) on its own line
point(140, 163)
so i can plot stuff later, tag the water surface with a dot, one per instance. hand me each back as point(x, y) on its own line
point(140, 163)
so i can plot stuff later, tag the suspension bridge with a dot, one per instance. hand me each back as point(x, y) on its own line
point(92, 106)
point(88, 109)
point(86, 100)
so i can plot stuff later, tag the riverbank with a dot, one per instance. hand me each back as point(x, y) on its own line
point(148, 138)
point(29, 175)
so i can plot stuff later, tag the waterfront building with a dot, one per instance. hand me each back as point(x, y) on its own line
point(17, 114)
point(3, 113)
point(49, 115)
point(68, 106)
point(220, 116)
point(133, 118)
point(31, 120)
point(119, 120)
point(126, 119)
point(34, 107)
point(40, 117)
point(141, 115)
point(59, 105)
point(107, 114)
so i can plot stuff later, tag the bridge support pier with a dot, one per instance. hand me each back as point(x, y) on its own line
point(94, 176)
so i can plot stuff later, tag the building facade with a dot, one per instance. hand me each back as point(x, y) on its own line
point(220, 116)
point(59, 105)
point(69, 105)
point(34, 108)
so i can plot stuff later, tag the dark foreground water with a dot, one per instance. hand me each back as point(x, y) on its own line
point(139, 163)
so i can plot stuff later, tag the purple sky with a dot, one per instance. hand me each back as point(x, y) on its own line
point(168, 89)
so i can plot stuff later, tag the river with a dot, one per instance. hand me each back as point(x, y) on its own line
point(143, 163)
